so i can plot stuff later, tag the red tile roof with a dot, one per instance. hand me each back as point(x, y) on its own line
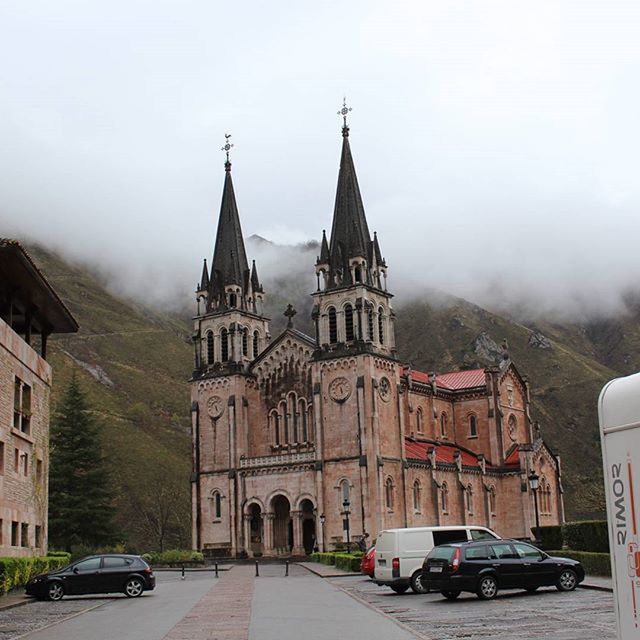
point(453, 381)
point(513, 458)
point(444, 452)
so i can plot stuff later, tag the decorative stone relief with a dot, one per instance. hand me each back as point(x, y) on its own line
point(340, 389)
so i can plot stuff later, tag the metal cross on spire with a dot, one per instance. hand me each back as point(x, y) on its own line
point(227, 147)
point(344, 111)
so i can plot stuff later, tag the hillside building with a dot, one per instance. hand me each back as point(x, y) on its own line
point(291, 432)
point(30, 311)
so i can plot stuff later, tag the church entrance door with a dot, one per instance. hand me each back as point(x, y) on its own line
point(256, 530)
point(282, 529)
point(308, 526)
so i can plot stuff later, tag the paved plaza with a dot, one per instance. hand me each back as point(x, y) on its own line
point(239, 606)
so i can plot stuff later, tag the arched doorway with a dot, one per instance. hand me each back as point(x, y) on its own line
point(308, 526)
point(282, 525)
point(256, 533)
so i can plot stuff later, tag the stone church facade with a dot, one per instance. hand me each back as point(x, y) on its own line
point(287, 430)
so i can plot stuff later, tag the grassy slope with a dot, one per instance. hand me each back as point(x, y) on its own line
point(148, 358)
point(144, 412)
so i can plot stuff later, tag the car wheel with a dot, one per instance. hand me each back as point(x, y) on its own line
point(487, 588)
point(55, 591)
point(567, 580)
point(417, 586)
point(450, 595)
point(400, 589)
point(133, 588)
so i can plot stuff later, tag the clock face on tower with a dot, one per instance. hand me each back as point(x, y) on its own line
point(340, 389)
point(384, 389)
point(215, 407)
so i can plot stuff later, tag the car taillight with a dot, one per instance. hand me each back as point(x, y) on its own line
point(455, 561)
point(395, 567)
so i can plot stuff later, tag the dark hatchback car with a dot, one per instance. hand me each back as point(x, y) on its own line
point(485, 567)
point(110, 573)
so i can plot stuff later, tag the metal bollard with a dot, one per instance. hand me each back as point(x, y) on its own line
point(286, 568)
point(182, 576)
point(216, 569)
point(257, 572)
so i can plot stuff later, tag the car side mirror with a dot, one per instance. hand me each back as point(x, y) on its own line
point(76, 570)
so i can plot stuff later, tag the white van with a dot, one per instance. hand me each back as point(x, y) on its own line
point(401, 552)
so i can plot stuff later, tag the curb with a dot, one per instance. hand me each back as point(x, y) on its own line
point(329, 575)
point(12, 605)
point(596, 587)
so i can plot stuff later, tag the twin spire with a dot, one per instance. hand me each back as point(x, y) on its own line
point(350, 241)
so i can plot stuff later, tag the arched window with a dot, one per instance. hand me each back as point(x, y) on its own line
point(245, 342)
point(416, 495)
point(358, 274)
point(293, 415)
point(370, 327)
point(255, 344)
point(333, 326)
point(512, 426)
point(303, 426)
point(274, 426)
point(210, 352)
point(380, 326)
point(309, 424)
point(443, 424)
point(224, 345)
point(232, 300)
point(419, 420)
point(216, 499)
point(345, 493)
point(444, 495)
point(284, 416)
point(469, 498)
point(388, 493)
point(473, 426)
point(348, 323)
point(492, 500)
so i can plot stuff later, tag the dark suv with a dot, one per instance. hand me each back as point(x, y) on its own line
point(110, 573)
point(485, 567)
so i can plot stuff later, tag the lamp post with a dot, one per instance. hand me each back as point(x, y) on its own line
point(346, 506)
point(534, 481)
point(323, 519)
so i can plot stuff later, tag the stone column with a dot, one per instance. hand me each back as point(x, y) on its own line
point(269, 521)
point(298, 548)
point(247, 535)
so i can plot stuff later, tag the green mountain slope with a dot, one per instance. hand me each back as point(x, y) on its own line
point(134, 363)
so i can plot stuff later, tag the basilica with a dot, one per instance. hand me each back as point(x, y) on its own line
point(303, 442)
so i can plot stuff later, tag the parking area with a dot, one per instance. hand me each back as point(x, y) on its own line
point(514, 615)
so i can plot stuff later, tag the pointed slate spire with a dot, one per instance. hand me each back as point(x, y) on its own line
point(229, 264)
point(204, 279)
point(324, 249)
point(255, 281)
point(377, 254)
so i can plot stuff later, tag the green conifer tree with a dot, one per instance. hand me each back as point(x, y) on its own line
point(80, 494)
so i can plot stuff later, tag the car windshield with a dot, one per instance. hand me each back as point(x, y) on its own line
point(441, 553)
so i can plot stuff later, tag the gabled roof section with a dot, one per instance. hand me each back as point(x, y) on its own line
point(275, 343)
point(229, 265)
point(452, 381)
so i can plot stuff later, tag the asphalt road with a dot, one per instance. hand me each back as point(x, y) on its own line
point(514, 615)
point(148, 617)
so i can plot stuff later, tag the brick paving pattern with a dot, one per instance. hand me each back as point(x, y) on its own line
point(224, 613)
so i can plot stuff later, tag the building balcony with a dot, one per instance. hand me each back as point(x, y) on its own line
point(277, 460)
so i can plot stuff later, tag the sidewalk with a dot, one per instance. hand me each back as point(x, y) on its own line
point(600, 583)
point(325, 570)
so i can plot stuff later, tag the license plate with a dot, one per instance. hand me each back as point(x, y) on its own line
point(435, 570)
point(382, 562)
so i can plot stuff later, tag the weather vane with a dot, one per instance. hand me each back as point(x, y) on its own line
point(227, 145)
point(344, 111)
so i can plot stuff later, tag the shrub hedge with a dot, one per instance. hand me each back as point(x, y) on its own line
point(16, 572)
point(588, 535)
point(173, 556)
point(598, 564)
point(344, 561)
point(550, 537)
point(59, 554)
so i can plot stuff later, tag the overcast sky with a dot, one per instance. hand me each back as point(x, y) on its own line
point(496, 142)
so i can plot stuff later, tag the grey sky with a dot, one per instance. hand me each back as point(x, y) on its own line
point(496, 142)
